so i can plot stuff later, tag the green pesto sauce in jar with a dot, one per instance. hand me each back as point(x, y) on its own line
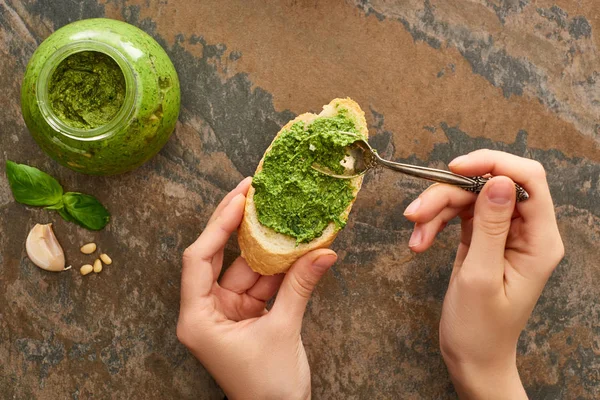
point(87, 90)
point(100, 96)
point(291, 197)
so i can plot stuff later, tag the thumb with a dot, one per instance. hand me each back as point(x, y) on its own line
point(299, 283)
point(491, 222)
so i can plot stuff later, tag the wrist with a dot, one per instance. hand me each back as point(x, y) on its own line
point(490, 383)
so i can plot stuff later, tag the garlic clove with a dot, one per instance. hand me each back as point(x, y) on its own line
point(44, 250)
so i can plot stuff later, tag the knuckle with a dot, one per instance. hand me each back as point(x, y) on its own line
point(431, 188)
point(493, 228)
point(302, 285)
point(193, 334)
point(485, 155)
point(484, 152)
point(537, 169)
point(192, 254)
point(188, 254)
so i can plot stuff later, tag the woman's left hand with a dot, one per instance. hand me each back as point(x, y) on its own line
point(252, 353)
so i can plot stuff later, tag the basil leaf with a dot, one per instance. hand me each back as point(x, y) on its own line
point(66, 216)
point(31, 186)
point(85, 210)
point(58, 206)
point(60, 209)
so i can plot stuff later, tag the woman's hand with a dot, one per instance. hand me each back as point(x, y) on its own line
point(504, 259)
point(252, 353)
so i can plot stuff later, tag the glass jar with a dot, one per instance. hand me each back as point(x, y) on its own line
point(130, 127)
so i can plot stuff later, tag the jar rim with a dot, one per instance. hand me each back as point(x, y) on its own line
point(43, 83)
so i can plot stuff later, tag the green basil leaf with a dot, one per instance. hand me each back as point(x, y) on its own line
point(58, 206)
point(31, 186)
point(66, 216)
point(60, 209)
point(85, 210)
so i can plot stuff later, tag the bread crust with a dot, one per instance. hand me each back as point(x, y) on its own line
point(268, 252)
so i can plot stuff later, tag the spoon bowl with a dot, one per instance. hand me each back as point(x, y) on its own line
point(358, 160)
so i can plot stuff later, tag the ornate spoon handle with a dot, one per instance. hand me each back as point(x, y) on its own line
point(472, 184)
point(479, 181)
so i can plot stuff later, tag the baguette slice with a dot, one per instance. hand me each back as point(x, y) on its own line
point(268, 252)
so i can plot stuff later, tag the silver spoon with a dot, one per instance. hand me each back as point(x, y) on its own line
point(361, 157)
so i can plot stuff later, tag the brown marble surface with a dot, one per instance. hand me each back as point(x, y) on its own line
point(436, 79)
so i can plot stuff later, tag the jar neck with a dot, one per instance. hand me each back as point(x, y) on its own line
point(43, 87)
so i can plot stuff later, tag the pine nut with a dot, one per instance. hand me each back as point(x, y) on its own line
point(97, 266)
point(105, 259)
point(86, 269)
point(88, 248)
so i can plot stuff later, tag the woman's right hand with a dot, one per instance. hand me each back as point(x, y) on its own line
point(506, 254)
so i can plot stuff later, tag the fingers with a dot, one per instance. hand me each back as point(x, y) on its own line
point(491, 225)
point(538, 210)
point(198, 275)
point(242, 188)
point(239, 277)
point(266, 287)
point(433, 209)
point(424, 233)
point(436, 198)
point(299, 283)
point(217, 233)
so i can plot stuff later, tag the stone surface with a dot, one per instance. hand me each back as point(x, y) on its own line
point(437, 79)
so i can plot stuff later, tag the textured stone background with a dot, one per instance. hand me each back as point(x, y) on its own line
point(436, 78)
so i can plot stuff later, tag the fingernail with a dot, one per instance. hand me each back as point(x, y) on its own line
point(236, 197)
point(242, 181)
point(413, 207)
point(500, 192)
point(325, 261)
point(415, 238)
point(458, 160)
